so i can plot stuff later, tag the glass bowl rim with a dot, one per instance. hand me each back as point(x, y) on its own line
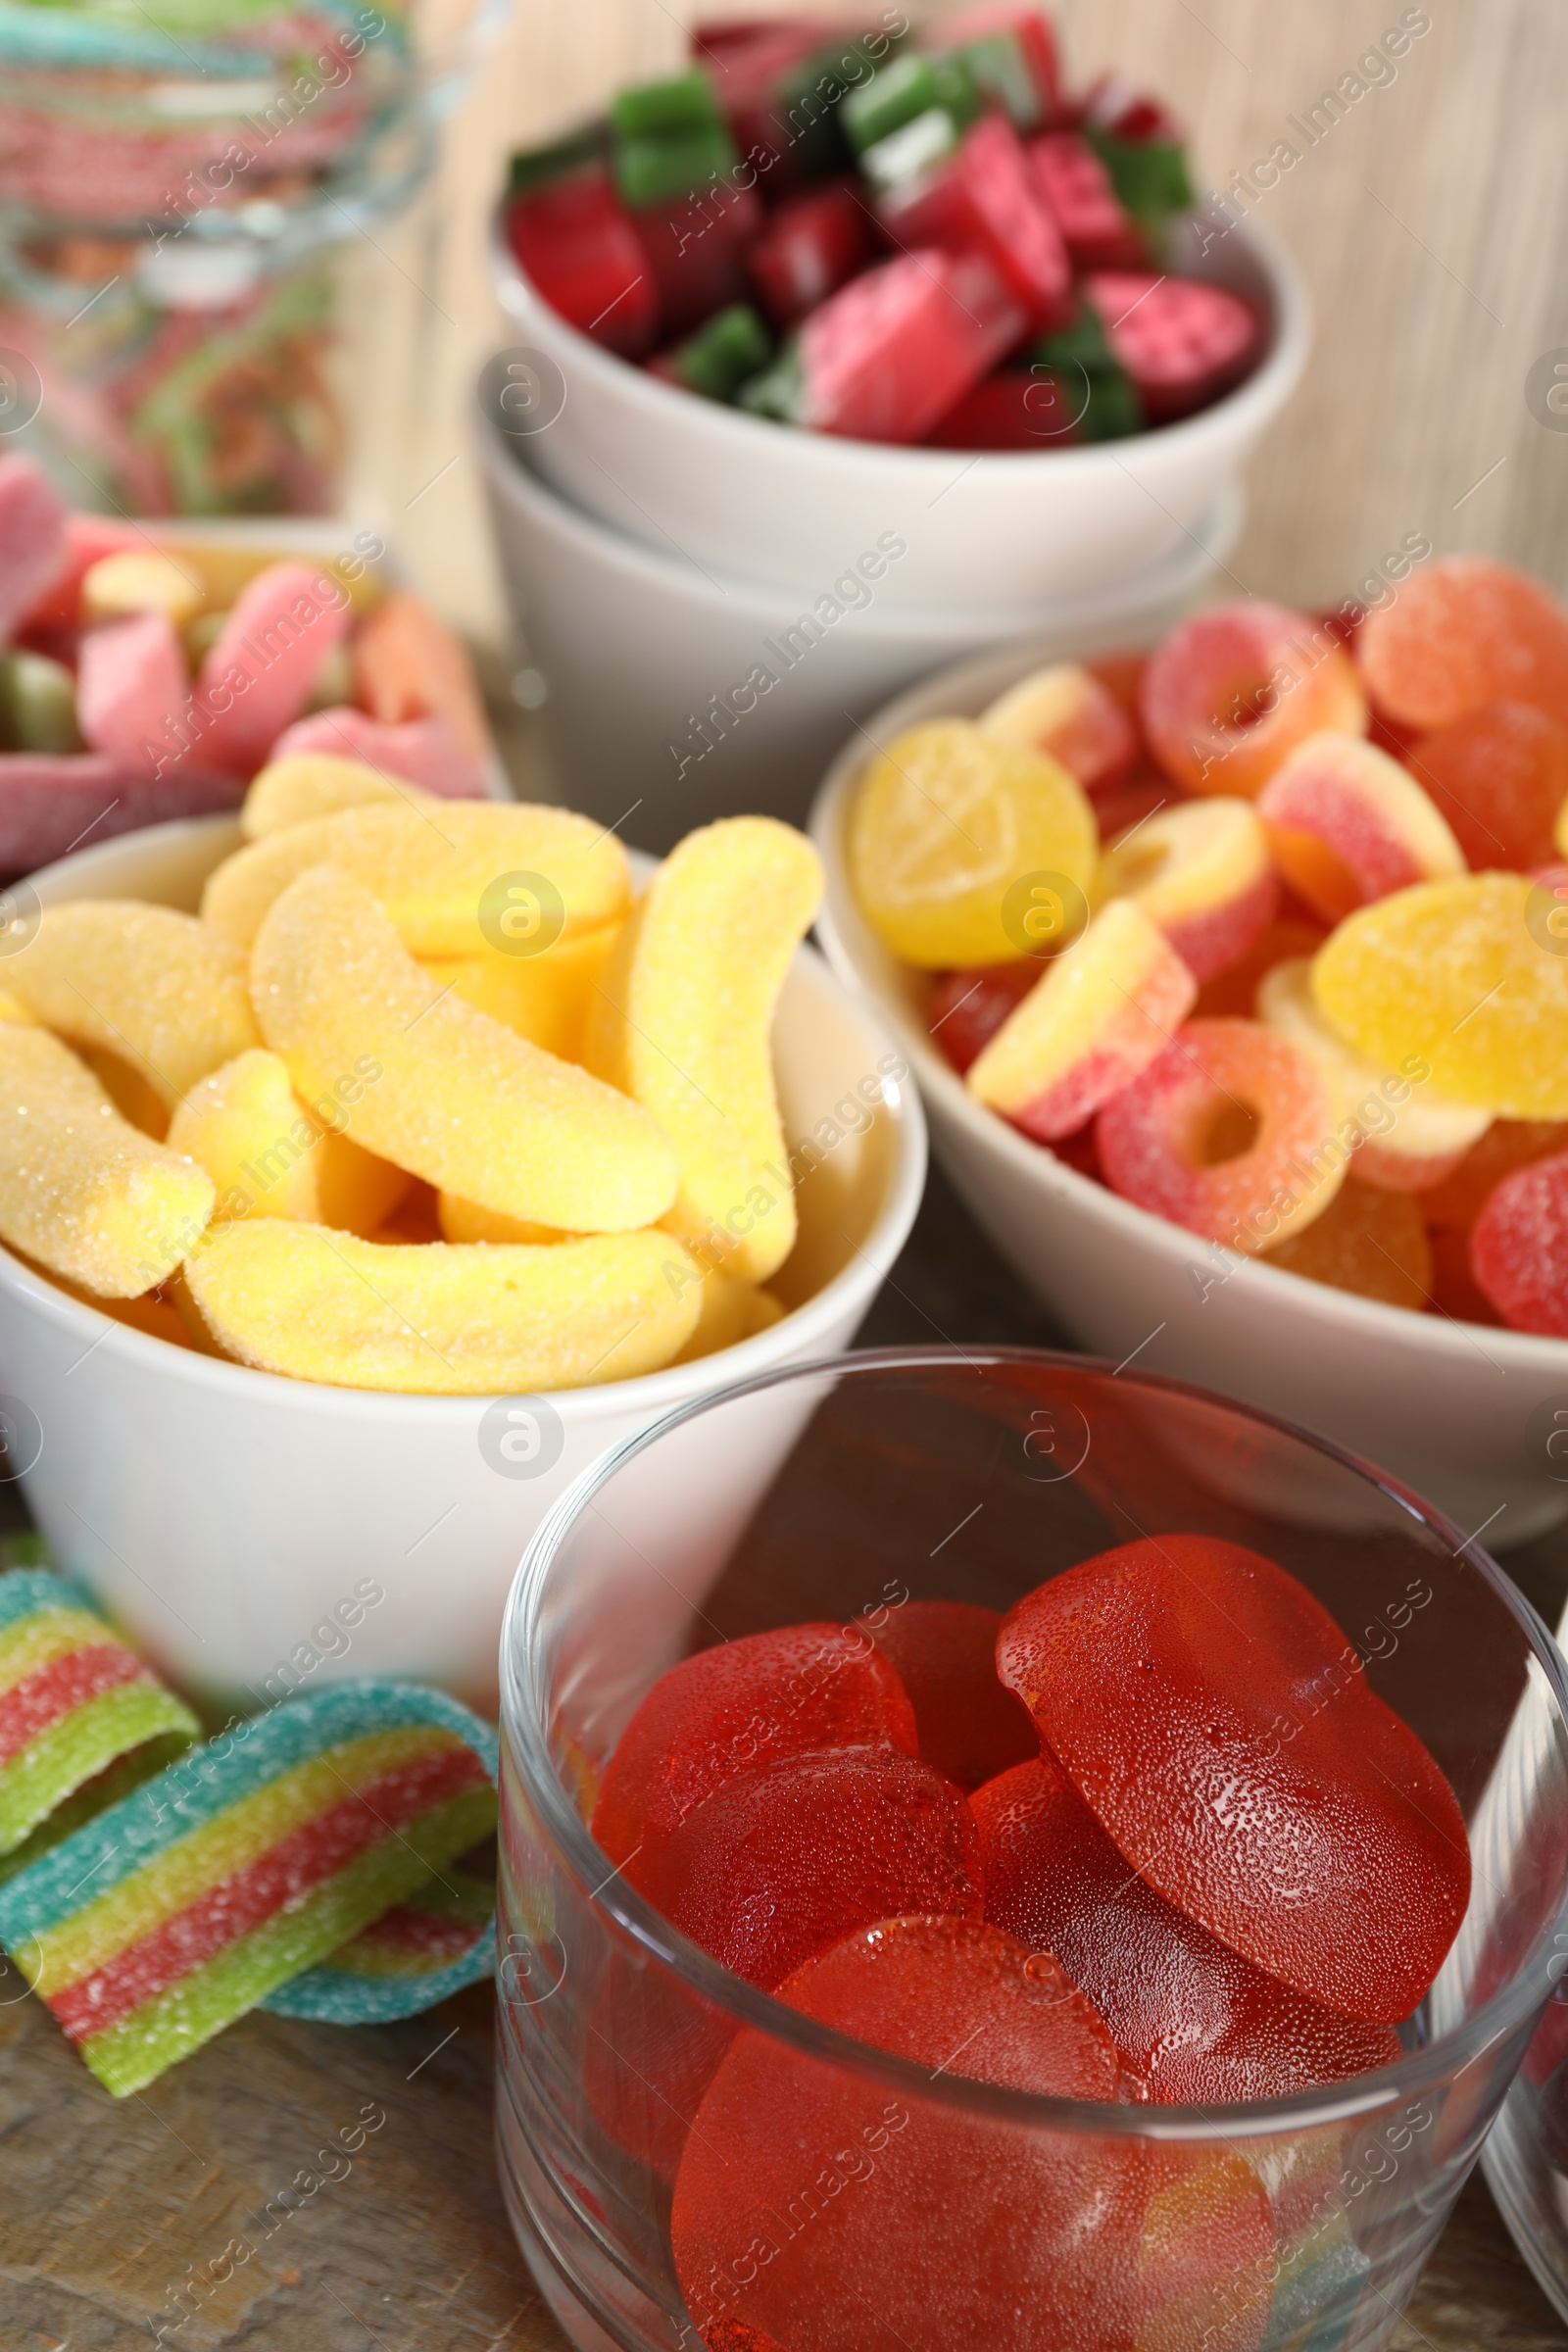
point(522, 1731)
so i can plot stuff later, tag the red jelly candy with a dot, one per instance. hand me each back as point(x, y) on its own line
point(889, 354)
point(967, 1009)
point(811, 248)
point(1464, 631)
point(813, 2210)
point(1519, 1247)
point(1015, 409)
point(1197, 2022)
point(1098, 231)
point(577, 242)
point(743, 1704)
point(1182, 342)
point(1500, 776)
point(944, 1653)
point(1212, 1716)
point(985, 199)
point(787, 1859)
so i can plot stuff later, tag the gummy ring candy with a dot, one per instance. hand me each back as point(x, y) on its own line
point(1463, 632)
point(1348, 824)
point(1519, 1247)
point(1236, 687)
point(1202, 872)
point(1221, 1087)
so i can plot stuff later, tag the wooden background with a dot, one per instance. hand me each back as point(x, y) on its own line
point(1430, 224)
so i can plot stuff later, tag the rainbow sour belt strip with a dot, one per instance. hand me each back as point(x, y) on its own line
point(300, 1859)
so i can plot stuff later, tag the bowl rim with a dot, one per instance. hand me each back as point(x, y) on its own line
point(650, 1393)
point(1244, 409)
point(524, 1714)
point(1343, 1310)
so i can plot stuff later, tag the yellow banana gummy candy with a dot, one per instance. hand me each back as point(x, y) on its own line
point(269, 1157)
point(450, 1094)
point(730, 1311)
point(683, 1019)
point(439, 1319)
point(545, 998)
point(305, 785)
point(82, 1191)
point(466, 1221)
point(144, 982)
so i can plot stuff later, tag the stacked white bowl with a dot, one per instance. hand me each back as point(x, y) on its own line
point(711, 602)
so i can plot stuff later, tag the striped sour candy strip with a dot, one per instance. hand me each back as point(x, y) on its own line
point(246, 1866)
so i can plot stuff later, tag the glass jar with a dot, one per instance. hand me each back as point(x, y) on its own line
point(886, 2208)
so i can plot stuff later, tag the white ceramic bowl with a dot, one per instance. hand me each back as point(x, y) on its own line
point(1465, 1414)
point(744, 496)
point(683, 636)
point(223, 1514)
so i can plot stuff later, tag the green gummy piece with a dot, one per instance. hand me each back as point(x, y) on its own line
point(660, 109)
point(721, 356)
point(130, 2055)
point(537, 166)
point(908, 152)
point(1149, 175)
point(779, 392)
point(1082, 349)
point(1114, 410)
point(1082, 343)
point(1000, 69)
point(44, 1772)
point(652, 171)
point(37, 703)
point(901, 93)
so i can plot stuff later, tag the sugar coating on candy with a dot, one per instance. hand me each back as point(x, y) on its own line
point(746, 1703)
point(432, 869)
point(813, 2208)
point(729, 1311)
point(1519, 1247)
point(1232, 691)
point(34, 547)
point(1198, 2023)
point(945, 821)
point(296, 787)
point(423, 751)
point(788, 1856)
point(407, 665)
point(890, 353)
point(82, 1191)
point(448, 1094)
point(441, 1319)
point(1070, 716)
point(1462, 631)
point(1101, 1012)
point(131, 680)
point(1202, 872)
point(466, 1221)
point(1181, 341)
point(1212, 1716)
point(967, 1009)
point(1232, 1133)
point(1348, 824)
point(144, 982)
point(270, 1156)
point(1507, 1143)
point(1500, 775)
point(682, 1022)
point(1406, 1136)
point(945, 1655)
point(1450, 973)
point(546, 998)
point(1373, 1242)
point(268, 655)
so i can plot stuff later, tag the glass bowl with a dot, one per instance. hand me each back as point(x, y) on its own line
point(909, 2201)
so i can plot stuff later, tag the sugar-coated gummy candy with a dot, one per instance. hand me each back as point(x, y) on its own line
point(810, 2213)
point(1500, 775)
point(682, 1022)
point(546, 998)
point(945, 822)
point(1231, 1132)
point(885, 357)
point(945, 1655)
point(788, 1856)
point(1348, 824)
point(260, 668)
point(141, 580)
point(271, 1155)
point(1195, 2022)
point(1405, 1138)
point(34, 547)
point(729, 1311)
point(1072, 716)
point(1232, 995)
point(49, 800)
point(462, 1220)
point(1231, 692)
point(1201, 871)
point(82, 1191)
point(1182, 341)
point(409, 665)
point(1519, 1247)
point(418, 751)
point(130, 681)
point(1450, 974)
point(450, 1095)
point(1100, 1013)
point(1455, 1292)
point(745, 1703)
point(967, 1009)
point(141, 981)
point(1509, 1144)
point(479, 1321)
point(463, 879)
point(298, 786)
point(1462, 631)
point(1214, 1718)
point(1370, 1241)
